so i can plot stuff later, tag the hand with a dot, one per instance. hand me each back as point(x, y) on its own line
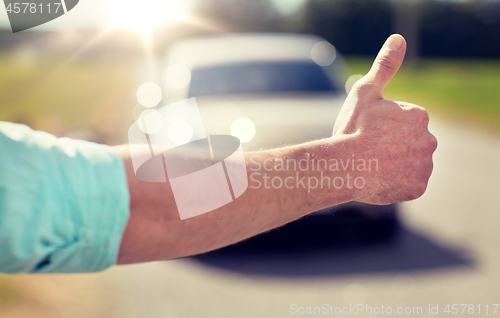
point(394, 133)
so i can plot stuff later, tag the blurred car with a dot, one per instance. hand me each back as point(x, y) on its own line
point(271, 90)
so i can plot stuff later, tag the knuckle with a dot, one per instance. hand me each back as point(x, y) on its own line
point(418, 114)
point(386, 63)
point(425, 115)
point(429, 169)
point(418, 190)
point(433, 143)
point(418, 110)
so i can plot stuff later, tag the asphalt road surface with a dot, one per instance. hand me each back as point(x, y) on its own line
point(446, 252)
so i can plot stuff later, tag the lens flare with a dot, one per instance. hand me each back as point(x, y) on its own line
point(149, 94)
point(150, 121)
point(351, 81)
point(323, 53)
point(145, 15)
point(243, 129)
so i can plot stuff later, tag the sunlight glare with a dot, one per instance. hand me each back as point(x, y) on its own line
point(145, 15)
point(149, 94)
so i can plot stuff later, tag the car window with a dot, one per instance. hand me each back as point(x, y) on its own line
point(255, 78)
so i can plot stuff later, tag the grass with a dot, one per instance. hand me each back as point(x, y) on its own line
point(460, 89)
point(51, 95)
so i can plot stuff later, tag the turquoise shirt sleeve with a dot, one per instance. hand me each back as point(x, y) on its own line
point(64, 203)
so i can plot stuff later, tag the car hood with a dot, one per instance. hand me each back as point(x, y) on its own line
point(279, 120)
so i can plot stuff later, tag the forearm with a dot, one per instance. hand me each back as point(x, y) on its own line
point(155, 231)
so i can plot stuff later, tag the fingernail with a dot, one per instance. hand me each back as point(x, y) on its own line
point(395, 42)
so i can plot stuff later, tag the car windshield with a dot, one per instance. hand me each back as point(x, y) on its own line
point(258, 78)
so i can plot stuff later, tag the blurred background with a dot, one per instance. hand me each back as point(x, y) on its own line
point(80, 76)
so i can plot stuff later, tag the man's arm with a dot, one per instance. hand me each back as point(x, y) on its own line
point(393, 135)
point(155, 230)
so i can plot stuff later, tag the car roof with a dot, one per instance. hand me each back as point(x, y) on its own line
point(240, 48)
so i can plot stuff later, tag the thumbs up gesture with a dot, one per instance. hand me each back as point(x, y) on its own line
point(393, 133)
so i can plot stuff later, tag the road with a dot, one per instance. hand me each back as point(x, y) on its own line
point(446, 252)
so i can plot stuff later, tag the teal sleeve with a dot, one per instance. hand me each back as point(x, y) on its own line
point(64, 203)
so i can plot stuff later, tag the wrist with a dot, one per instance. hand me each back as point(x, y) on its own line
point(341, 170)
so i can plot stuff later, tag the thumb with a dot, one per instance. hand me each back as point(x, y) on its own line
point(385, 66)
